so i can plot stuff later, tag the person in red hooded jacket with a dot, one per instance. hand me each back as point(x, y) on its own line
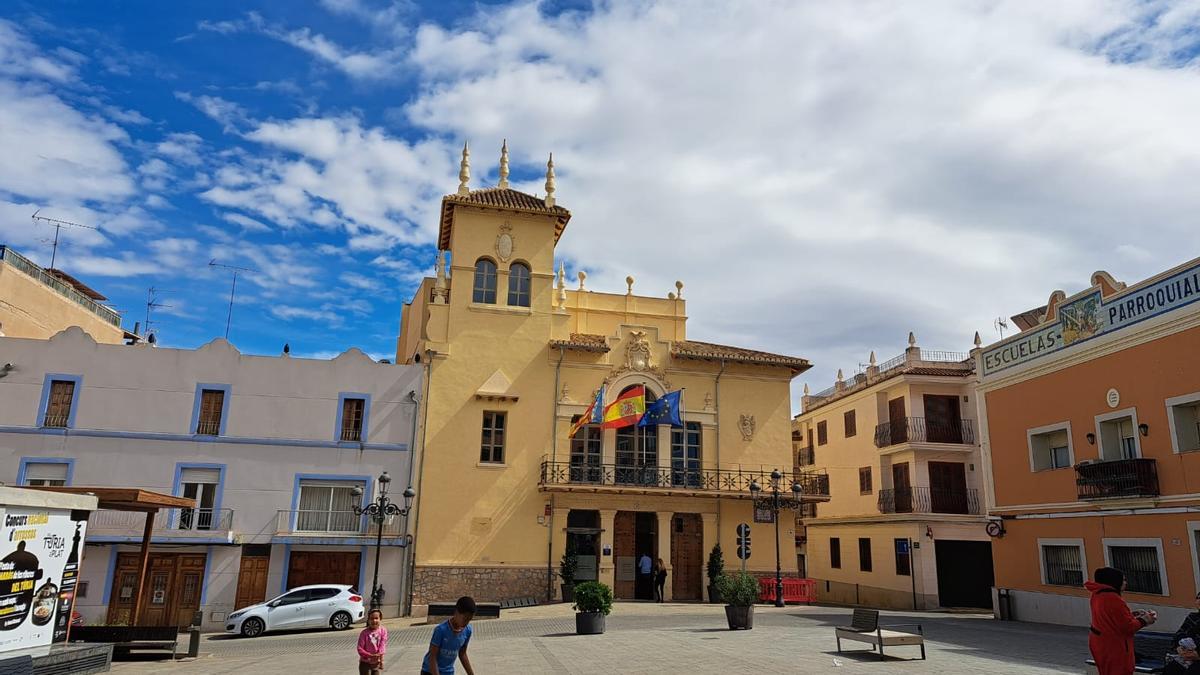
point(1113, 625)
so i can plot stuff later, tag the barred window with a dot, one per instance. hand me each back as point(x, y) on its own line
point(212, 401)
point(485, 282)
point(1063, 565)
point(352, 418)
point(58, 407)
point(492, 444)
point(1141, 567)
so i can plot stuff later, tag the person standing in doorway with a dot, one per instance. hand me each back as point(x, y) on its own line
point(372, 643)
point(1113, 625)
point(645, 581)
point(450, 640)
point(660, 578)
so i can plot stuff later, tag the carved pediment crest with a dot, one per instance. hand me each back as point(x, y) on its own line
point(505, 243)
point(746, 426)
point(637, 354)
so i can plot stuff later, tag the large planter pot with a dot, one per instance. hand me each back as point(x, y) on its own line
point(740, 617)
point(568, 592)
point(589, 623)
point(714, 596)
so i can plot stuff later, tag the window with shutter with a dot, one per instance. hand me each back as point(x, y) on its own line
point(352, 418)
point(46, 474)
point(212, 401)
point(58, 406)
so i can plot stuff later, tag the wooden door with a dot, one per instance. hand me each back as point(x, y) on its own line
point(942, 423)
point(687, 534)
point(902, 488)
point(625, 554)
point(897, 422)
point(323, 567)
point(252, 580)
point(948, 487)
point(157, 591)
point(189, 580)
point(171, 594)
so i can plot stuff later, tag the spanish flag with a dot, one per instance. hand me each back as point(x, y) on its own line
point(590, 416)
point(626, 410)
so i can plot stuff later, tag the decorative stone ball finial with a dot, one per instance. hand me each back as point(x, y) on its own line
point(629, 284)
point(679, 289)
point(912, 339)
point(550, 181)
point(582, 277)
point(464, 171)
point(978, 342)
point(503, 165)
point(671, 295)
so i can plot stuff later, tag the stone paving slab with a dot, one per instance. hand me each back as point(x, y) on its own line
point(666, 639)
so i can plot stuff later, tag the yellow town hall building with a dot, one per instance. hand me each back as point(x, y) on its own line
point(512, 357)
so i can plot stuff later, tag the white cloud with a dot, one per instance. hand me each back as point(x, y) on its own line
point(228, 114)
point(19, 57)
point(182, 148)
point(355, 280)
point(825, 177)
point(246, 223)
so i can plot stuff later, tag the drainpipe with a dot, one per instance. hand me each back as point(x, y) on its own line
point(553, 455)
point(415, 401)
point(717, 396)
point(416, 522)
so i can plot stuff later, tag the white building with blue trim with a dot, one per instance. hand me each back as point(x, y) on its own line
point(271, 448)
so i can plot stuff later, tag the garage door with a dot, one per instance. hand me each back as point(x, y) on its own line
point(323, 567)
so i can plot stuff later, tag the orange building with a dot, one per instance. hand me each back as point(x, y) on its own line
point(1091, 433)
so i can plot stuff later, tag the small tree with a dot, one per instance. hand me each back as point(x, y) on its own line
point(593, 596)
point(568, 566)
point(739, 589)
point(716, 565)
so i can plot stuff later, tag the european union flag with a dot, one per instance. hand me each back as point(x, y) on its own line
point(663, 411)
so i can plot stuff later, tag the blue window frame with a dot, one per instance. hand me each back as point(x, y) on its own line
point(206, 484)
point(60, 403)
point(353, 417)
point(209, 424)
point(46, 471)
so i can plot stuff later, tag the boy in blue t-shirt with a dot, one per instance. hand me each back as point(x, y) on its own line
point(449, 641)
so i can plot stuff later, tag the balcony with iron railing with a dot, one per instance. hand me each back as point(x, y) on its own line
point(1116, 479)
point(20, 262)
point(208, 428)
point(322, 523)
point(566, 476)
point(961, 501)
point(169, 524)
point(55, 421)
point(924, 430)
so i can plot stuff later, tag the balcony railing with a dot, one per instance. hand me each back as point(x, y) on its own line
point(344, 523)
point(815, 484)
point(1117, 478)
point(208, 427)
point(175, 523)
point(929, 500)
point(22, 263)
point(57, 421)
point(924, 430)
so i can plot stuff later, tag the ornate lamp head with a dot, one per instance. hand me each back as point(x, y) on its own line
point(755, 488)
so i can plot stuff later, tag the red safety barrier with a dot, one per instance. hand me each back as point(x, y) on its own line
point(794, 590)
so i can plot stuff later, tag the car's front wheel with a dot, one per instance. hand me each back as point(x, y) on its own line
point(252, 627)
point(340, 621)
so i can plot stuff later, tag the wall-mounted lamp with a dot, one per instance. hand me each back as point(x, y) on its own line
point(1091, 438)
point(1144, 429)
point(929, 532)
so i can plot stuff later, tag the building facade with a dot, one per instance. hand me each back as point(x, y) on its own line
point(37, 303)
point(271, 449)
point(513, 357)
point(904, 527)
point(1091, 418)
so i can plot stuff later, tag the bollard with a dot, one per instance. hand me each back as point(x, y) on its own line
point(194, 635)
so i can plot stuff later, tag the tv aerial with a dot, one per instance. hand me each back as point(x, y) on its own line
point(232, 288)
point(1001, 325)
point(58, 226)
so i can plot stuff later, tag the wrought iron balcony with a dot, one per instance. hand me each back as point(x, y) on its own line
point(324, 523)
point(173, 524)
point(929, 500)
point(1117, 478)
point(924, 430)
point(568, 476)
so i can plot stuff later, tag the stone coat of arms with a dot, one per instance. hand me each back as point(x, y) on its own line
point(505, 244)
point(637, 354)
point(746, 425)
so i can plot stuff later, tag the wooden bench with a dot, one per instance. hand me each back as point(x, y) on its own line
point(864, 627)
point(1150, 649)
point(125, 639)
point(440, 611)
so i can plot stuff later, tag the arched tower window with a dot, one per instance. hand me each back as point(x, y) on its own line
point(485, 282)
point(518, 285)
point(637, 451)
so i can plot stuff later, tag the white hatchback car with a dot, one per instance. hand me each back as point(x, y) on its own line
point(317, 606)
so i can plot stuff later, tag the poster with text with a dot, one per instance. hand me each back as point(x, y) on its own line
point(39, 567)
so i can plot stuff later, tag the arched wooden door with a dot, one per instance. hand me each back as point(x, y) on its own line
point(687, 534)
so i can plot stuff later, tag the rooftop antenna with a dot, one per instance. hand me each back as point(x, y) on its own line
point(1001, 325)
point(152, 303)
point(232, 288)
point(58, 225)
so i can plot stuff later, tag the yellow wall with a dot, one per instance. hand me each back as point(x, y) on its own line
point(30, 309)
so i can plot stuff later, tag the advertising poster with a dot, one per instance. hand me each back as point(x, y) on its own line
point(39, 568)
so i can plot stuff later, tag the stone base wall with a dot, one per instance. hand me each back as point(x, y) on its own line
point(841, 593)
point(485, 584)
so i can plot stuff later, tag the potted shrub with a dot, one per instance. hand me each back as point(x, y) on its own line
point(566, 569)
point(593, 602)
point(740, 592)
point(716, 567)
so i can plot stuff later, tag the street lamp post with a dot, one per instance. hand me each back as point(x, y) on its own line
point(776, 502)
point(379, 511)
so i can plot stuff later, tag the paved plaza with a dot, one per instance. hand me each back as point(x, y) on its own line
point(647, 638)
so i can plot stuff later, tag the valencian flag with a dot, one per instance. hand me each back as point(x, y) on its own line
point(593, 415)
point(664, 411)
point(626, 410)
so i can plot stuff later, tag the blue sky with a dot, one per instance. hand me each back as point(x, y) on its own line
point(824, 177)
